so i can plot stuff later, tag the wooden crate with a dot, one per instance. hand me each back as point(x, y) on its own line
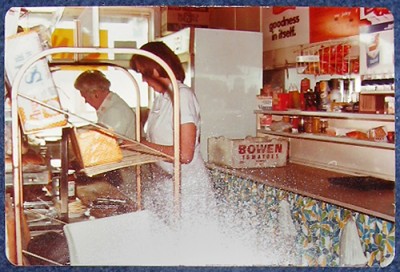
point(372, 103)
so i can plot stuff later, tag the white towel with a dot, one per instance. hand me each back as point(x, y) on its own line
point(351, 252)
point(141, 239)
point(138, 238)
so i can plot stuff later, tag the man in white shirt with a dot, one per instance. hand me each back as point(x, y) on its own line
point(112, 111)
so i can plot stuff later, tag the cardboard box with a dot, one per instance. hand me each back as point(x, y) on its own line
point(371, 103)
point(37, 83)
point(251, 152)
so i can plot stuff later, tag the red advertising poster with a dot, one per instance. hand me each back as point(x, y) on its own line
point(329, 23)
point(285, 27)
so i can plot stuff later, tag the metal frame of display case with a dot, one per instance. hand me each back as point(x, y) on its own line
point(140, 148)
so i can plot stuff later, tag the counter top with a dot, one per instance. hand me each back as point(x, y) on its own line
point(314, 182)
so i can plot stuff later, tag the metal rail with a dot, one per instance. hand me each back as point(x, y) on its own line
point(16, 136)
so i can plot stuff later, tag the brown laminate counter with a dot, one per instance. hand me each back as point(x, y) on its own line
point(314, 183)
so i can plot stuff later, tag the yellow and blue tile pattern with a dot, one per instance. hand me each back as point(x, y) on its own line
point(318, 224)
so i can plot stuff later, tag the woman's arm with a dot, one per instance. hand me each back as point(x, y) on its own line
point(188, 143)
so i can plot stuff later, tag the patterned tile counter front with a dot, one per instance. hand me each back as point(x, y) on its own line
point(318, 224)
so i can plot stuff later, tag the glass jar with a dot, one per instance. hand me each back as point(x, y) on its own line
point(286, 119)
point(316, 125)
point(308, 128)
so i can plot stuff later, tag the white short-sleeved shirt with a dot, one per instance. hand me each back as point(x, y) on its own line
point(196, 190)
point(159, 126)
point(116, 114)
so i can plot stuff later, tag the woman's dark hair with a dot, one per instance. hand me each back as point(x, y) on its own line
point(92, 80)
point(161, 50)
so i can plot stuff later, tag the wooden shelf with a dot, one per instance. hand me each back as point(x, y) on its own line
point(332, 139)
point(335, 115)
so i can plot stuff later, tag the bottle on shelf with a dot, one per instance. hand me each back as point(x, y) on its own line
point(310, 101)
point(300, 127)
point(317, 91)
point(324, 92)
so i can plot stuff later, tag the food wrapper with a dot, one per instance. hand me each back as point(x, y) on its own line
point(377, 134)
point(37, 83)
